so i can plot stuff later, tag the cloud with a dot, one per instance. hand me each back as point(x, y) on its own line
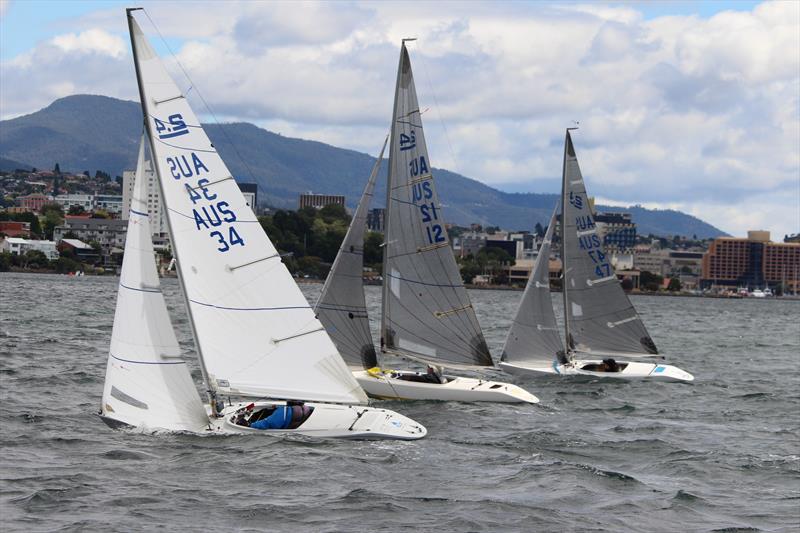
point(674, 110)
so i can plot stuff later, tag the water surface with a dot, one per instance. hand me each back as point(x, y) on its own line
point(721, 454)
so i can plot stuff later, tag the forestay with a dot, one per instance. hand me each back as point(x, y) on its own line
point(534, 337)
point(342, 307)
point(147, 384)
point(255, 332)
point(427, 314)
point(601, 317)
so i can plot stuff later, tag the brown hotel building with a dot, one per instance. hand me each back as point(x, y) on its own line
point(754, 262)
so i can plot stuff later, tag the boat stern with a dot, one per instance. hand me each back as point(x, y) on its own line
point(671, 373)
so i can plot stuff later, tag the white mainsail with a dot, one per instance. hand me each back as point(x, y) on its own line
point(255, 333)
point(534, 337)
point(427, 314)
point(147, 384)
point(600, 317)
point(342, 307)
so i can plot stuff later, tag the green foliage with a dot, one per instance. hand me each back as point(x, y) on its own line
point(53, 216)
point(674, 285)
point(64, 265)
point(76, 210)
point(5, 261)
point(34, 259)
point(311, 234)
point(491, 261)
point(649, 281)
point(100, 213)
point(373, 251)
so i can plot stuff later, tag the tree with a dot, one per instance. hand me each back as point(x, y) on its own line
point(100, 213)
point(57, 169)
point(674, 285)
point(539, 230)
point(627, 284)
point(5, 261)
point(53, 215)
point(76, 210)
point(650, 281)
point(34, 259)
point(373, 250)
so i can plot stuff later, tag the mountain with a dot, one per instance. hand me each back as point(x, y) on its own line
point(88, 132)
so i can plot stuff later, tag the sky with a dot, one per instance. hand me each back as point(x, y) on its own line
point(685, 105)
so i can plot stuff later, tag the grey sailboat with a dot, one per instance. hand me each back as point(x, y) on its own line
point(600, 322)
point(426, 313)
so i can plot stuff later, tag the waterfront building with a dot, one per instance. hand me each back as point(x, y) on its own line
point(19, 246)
point(752, 262)
point(79, 250)
point(13, 228)
point(318, 201)
point(33, 202)
point(108, 233)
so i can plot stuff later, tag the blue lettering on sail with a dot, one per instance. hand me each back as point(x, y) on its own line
point(407, 142)
point(174, 127)
point(576, 200)
point(209, 211)
point(584, 223)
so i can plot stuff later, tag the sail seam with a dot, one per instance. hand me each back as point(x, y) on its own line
point(147, 362)
point(140, 290)
point(224, 308)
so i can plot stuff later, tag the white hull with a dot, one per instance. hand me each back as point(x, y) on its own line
point(459, 389)
point(326, 421)
point(632, 370)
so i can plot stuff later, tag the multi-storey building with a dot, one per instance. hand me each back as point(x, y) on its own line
point(33, 202)
point(108, 233)
point(617, 230)
point(250, 192)
point(753, 262)
point(157, 217)
point(375, 219)
point(318, 201)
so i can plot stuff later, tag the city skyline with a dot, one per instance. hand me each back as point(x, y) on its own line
point(681, 105)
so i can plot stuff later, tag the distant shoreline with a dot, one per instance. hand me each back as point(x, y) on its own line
point(309, 281)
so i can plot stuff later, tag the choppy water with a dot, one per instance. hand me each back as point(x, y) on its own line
point(722, 454)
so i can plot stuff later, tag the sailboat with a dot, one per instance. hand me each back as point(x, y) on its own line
point(600, 323)
point(426, 312)
point(255, 334)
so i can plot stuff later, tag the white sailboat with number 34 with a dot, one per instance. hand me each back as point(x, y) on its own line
point(256, 336)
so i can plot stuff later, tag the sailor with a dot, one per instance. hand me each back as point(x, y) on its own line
point(280, 418)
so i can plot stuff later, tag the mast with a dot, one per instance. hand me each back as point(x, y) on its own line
point(567, 343)
point(386, 217)
point(211, 389)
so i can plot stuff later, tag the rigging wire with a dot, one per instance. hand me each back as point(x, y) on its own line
point(438, 107)
point(194, 86)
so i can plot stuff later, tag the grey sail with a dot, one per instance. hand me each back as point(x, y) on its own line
point(535, 338)
point(342, 308)
point(600, 317)
point(427, 314)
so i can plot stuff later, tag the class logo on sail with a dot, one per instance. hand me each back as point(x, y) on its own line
point(174, 127)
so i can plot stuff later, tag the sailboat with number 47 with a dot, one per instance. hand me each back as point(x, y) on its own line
point(600, 323)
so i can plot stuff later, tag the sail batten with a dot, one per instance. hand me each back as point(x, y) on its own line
point(534, 337)
point(342, 307)
point(427, 314)
point(235, 312)
point(601, 318)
